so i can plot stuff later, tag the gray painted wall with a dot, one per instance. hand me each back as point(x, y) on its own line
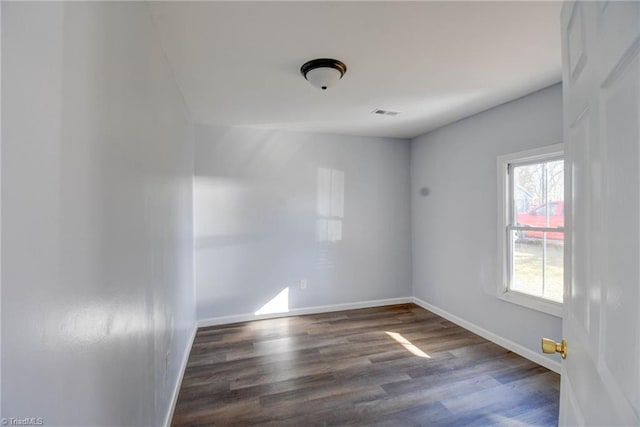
point(97, 165)
point(267, 216)
point(454, 227)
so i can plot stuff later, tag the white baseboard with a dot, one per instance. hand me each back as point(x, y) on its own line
point(214, 321)
point(183, 368)
point(502, 342)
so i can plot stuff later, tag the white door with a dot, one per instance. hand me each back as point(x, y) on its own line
point(601, 78)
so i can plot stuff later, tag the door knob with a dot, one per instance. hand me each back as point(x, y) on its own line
point(550, 346)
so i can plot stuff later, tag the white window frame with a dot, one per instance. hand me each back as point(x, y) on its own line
point(503, 292)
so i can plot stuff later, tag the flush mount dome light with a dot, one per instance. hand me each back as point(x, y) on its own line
point(323, 72)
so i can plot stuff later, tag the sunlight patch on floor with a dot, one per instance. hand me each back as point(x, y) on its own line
point(278, 304)
point(407, 344)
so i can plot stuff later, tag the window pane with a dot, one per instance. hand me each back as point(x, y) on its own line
point(555, 180)
point(527, 267)
point(538, 264)
point(539, 194)
point(554, 266)
point(528, 187)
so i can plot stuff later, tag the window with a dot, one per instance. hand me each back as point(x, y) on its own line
point(531, 228)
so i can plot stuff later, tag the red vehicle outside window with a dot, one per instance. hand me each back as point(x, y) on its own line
point(539, 217)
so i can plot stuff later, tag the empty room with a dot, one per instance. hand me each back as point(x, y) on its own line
point(420, 213)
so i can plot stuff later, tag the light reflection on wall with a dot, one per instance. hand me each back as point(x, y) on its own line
point(91, 323)
point(330, 205)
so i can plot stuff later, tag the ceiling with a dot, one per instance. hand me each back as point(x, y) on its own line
point(238, 63)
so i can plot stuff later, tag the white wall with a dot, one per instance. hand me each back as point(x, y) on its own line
point(455, 266)
point(97, 168)
point(258, 204)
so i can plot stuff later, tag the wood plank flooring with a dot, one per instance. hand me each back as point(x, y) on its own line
point(395, 365)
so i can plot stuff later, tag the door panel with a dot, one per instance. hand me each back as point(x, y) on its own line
point(620, 131)
point(619, 21)
point(576, 43)
point(579, 296)
point(601, 74)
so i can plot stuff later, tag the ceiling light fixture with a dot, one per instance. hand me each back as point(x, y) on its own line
point(323, 72)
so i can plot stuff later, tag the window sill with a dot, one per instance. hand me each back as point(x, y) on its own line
point(532, 302)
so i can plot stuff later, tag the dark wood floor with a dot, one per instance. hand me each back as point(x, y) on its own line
point(358, 367)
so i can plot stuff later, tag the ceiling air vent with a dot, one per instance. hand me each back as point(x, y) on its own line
point(386, 112)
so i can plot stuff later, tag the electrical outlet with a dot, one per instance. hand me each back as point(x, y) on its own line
point(303, 284)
